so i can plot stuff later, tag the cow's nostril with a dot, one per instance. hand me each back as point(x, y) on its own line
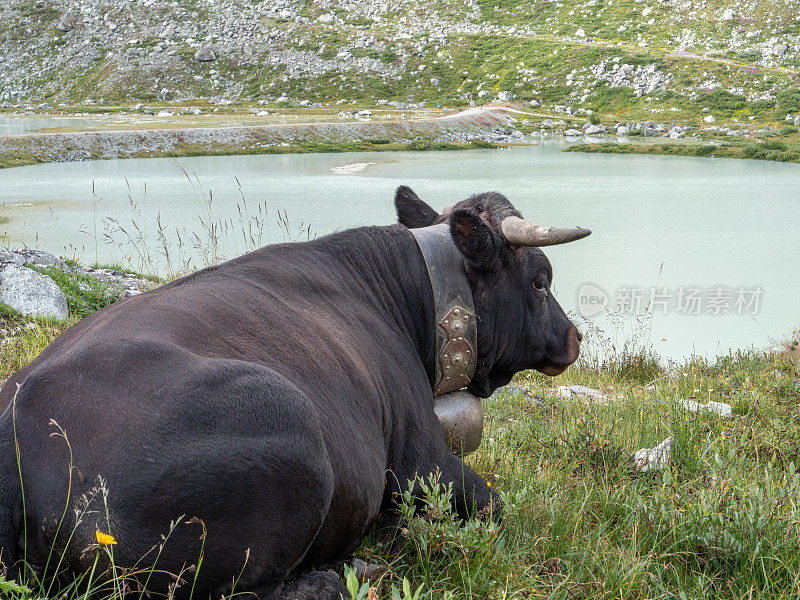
point(580, 335)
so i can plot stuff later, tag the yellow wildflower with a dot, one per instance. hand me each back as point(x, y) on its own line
point(104, 539)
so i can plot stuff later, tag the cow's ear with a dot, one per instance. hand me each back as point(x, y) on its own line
point(475, 240)
point(411, 211)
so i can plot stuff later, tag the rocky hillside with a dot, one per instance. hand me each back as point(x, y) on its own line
point(627, 58)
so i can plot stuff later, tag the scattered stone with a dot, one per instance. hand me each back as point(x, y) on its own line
point(677, 133)
point(67, 22)
point(573, 133)
point(595, 129)
point(505, 96)
point(579, 391)
point(709, 119)
point(205, 54)
point(587, 392)
point(365, 572)
point(519, 390)
point(651, 459)
point(720, 408)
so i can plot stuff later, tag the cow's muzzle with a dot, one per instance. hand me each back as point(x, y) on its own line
point(572, 350)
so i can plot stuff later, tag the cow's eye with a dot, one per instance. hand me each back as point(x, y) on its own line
point(541, 286)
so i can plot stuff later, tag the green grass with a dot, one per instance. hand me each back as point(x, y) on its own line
point(301, 147)
point(311, 147)
point(720, 521)
point(85, 294)
point(7, 162)
point(774, 151)
point(26, 337)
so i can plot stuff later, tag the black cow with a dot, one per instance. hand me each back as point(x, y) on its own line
point(281, 398)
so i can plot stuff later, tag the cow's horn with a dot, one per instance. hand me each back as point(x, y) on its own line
point(447, 210)
point(523, 233)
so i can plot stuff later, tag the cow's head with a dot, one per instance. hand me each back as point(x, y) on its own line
point(520, 323)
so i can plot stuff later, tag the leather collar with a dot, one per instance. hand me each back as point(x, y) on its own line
point(454, 309)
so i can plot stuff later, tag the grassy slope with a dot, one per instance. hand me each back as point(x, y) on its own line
point(720, 522)
point(686, 41)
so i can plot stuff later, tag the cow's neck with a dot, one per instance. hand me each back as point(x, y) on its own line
point(388, 271)
point(454, 310)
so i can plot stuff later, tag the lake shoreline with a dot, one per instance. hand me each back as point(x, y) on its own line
point(775, 152)
point(468, 129)
point(477, 127)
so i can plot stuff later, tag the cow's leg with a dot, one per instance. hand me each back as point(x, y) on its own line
point(237, 447)
point(472, 496)
point(316, 585)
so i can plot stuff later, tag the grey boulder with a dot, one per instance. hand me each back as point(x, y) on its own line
point(31, 293)
point(205, 55)
point(595, 129)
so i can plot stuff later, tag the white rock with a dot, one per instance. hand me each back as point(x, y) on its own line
point(797, 120)
point(562, 391)
point(728, 15)
point(505, 96)
point(722, 409)
point(580, 33)
point(164, 113)
point(31, 293)
point(587, 392)
point(573, 133)
point(595, 129)
point(709, 119)
point(648, 459)
point(579, 391)
point(205, 55)
point(677, 133)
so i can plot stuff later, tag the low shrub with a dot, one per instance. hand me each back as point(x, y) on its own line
point(774, 145)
